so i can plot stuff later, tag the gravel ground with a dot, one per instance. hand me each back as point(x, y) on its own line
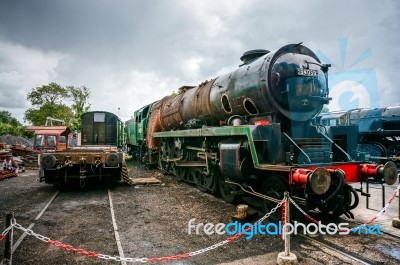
point(152, 222)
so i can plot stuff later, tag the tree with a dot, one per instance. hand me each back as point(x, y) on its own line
point(39, 115)
point(10, 125)
point(49, 101)
point(52, 93)
point(79, 96)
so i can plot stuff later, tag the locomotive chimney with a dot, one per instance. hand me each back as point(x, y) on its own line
point(252, 55)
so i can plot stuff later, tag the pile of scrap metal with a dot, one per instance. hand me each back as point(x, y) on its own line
point(21, 150)
point(8, 167)
point(27, 157)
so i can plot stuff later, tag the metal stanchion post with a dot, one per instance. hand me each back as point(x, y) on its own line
point(396, 220)
point(8, 242)
point(286, 257)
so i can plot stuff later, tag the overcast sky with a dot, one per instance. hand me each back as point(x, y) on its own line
point(131, 53)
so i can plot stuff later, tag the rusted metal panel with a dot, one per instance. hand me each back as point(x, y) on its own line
point(154, 125)
point(170, 112)
point(196, 104)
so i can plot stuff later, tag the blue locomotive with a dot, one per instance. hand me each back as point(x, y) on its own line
point(378, 130)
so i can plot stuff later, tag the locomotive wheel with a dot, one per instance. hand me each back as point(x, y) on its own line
point(229, 193)
point(274, 187)
point(180, 173)
point(394, 150)
point(208, 181)
point(195, 176)
point(205, 182)
point(382, 149)
point(164, 166)
point(164, 155)
point(48, 161)
point(374, 150)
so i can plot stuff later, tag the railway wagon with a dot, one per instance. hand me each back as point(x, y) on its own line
point(249, 132)
point(378, 130)
point(99, 158)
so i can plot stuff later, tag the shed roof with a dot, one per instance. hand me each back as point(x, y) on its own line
point(49, 130)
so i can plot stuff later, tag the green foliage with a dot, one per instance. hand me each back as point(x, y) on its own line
point(39, 115)
point(10, 125)
point(79, 96)
point(325, 109)
point(49, 101)
point(47, 94)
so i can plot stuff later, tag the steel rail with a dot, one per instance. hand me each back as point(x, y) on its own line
point(21, 238)
point(361, 260)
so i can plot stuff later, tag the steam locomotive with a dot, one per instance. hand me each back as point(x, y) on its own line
point(249, 132)
point(378, 130)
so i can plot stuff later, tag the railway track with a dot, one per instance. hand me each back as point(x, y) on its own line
point(70, 200)
point(356, 223)
point(142, 204)
point(359, 248)
point(346, 254)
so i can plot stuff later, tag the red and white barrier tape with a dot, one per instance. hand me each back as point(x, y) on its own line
point(381, 211)
point(141, 260)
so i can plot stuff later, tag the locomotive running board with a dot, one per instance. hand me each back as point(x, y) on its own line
point(190, 164)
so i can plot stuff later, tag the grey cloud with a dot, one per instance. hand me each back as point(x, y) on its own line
point(103, 40)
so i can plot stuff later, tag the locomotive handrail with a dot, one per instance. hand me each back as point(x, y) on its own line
point(337, 146)
point(393, 158)
point(298, 147)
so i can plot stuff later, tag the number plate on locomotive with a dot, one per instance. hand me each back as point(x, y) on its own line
point(307, 72)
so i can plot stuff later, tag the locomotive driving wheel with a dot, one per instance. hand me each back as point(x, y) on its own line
point(229, 193)
point(394, 151)
point(181, 173)
point(163, 163)
point(203, 179)
point(274, 187)
point(375, 150)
